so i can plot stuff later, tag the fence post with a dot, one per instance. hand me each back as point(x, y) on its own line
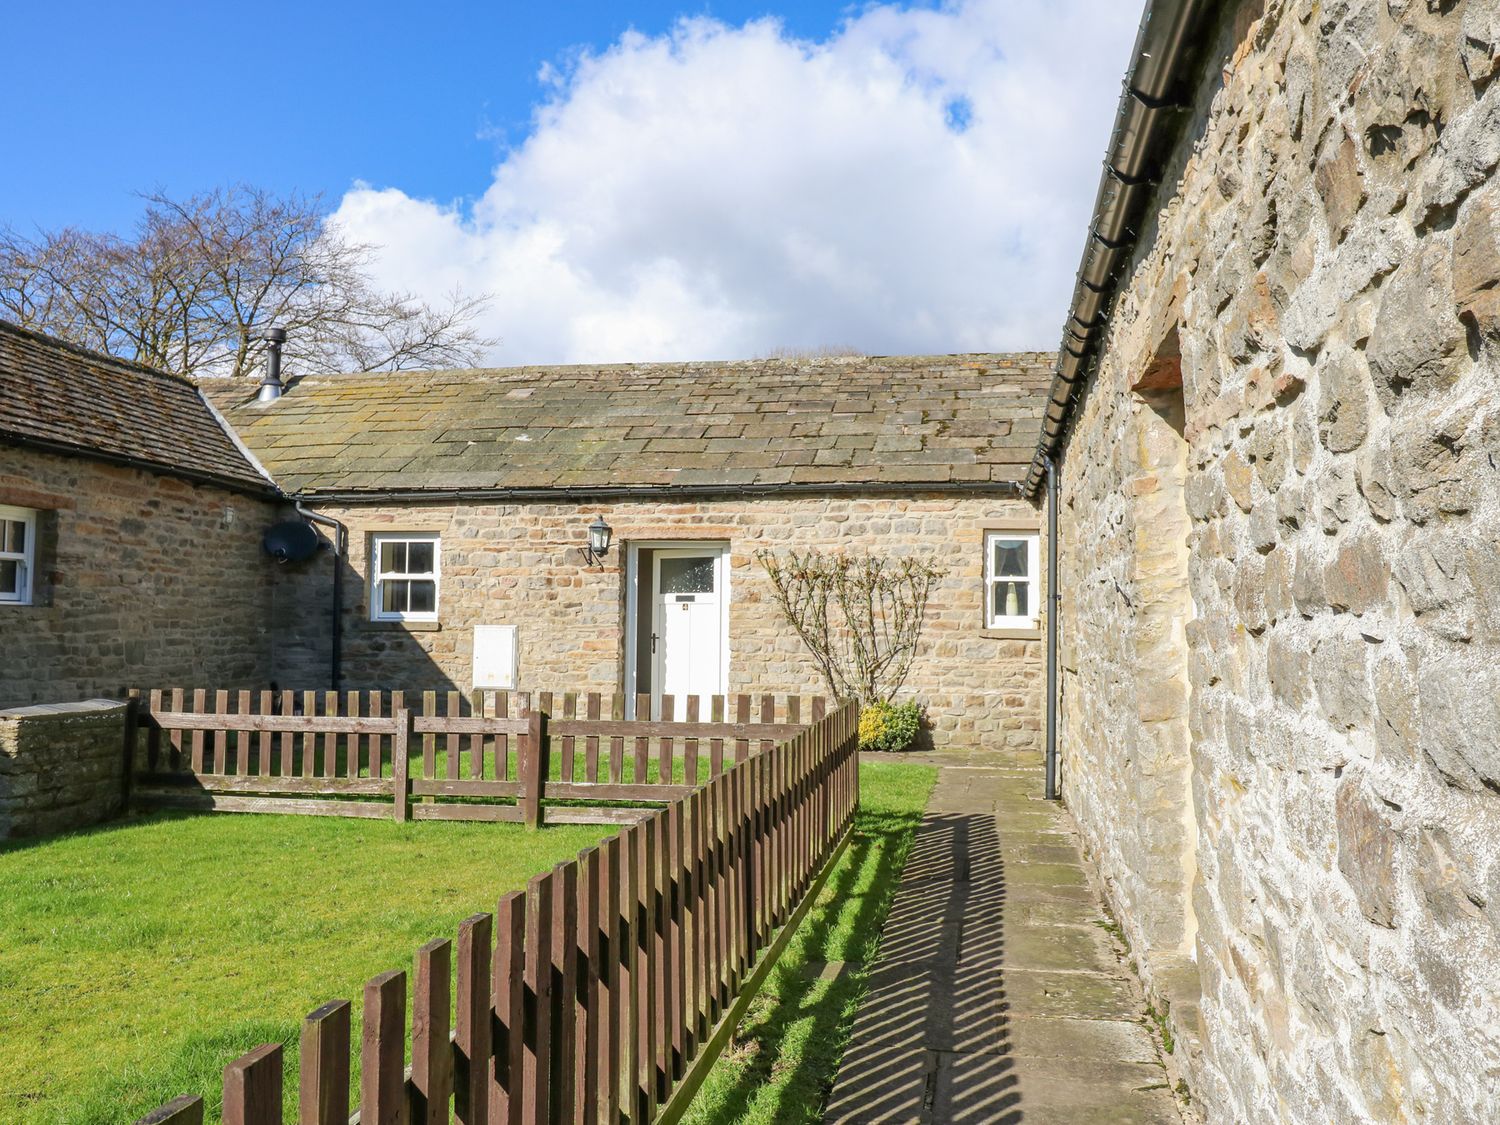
point(132, 727)
point(400, 773)
point(252, 1087)
point(533, 768)
point(323, 1090)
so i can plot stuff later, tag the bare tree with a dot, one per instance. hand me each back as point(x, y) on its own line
point(201, 274)
point(860, 617)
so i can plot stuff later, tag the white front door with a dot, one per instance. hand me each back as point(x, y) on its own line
point(687, 624)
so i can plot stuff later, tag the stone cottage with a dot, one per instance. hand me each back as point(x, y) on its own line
point(466, 499)
point(130, 528)
point(1277, 428)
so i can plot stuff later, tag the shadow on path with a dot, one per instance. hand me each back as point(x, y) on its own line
point(938, 990)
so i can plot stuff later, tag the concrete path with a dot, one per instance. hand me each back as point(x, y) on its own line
point(1000, 995)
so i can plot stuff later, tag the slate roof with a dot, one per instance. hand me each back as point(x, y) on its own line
point(959, 420)
point(70, 400)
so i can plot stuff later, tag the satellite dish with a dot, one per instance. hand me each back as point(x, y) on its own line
point(290, 541)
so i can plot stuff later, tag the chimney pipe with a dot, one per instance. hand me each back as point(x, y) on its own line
point(270, 386)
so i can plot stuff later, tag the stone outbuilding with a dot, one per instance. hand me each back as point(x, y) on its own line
point(1276, 423)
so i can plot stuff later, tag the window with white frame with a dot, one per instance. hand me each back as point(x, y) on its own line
point(1012, 586)
point(17, 554)
point(404, 577)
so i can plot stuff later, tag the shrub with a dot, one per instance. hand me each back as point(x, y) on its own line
point(860, 616)
point(889, 726)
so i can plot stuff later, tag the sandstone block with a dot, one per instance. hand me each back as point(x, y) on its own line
point(1417, 337)
point(1341, 187)
point(1480, 39)
point(1372, 475)
point(1366, 850)
point(1476, 264)
point(1339, 675)
point(1239, 480)
point(1357, 578)
point(1460, 703)
point(1465, 157)
point(1344, 400)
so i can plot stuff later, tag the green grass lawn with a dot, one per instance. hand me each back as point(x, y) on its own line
point(789, 1045)
point(139, 958)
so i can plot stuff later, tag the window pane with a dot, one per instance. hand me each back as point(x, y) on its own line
point(12, 536)
point(392, 558)
point(423, 595)
point(10, 579)
point(393, 596)
point(1012, 599)
point(1010, 558)
point(687, 576)
point(419, 558)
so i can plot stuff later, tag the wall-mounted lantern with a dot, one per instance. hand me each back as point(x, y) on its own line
point(599, 536)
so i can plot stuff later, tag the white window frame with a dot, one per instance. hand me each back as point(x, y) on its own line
point(1033, 580)
point(26, 557)
point(377, 578)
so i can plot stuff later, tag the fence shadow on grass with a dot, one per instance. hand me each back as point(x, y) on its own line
point(811, 997)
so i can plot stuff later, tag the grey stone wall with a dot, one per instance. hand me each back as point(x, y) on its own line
point(61, 766)
point(1312, 870)
point(519, 564)
point(143, 580)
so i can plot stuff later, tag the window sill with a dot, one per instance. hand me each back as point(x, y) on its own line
point(1012, 634)
point(407, 626)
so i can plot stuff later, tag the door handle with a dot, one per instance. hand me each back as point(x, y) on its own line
point(653, 643)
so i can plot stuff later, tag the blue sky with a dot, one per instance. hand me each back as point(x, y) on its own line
point(627, 181)
point(311, 96)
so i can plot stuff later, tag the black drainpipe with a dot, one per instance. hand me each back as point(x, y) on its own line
point(1054, 603)
point(336, 624)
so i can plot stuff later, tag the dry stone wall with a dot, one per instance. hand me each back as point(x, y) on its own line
point(1327, 260)
point(519, 565)
point(142, 579)
point(61, 766)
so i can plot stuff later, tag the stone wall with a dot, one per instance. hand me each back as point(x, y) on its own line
point(61, 766)
point(1327, 261)
point(519, 564)
point(142, 580)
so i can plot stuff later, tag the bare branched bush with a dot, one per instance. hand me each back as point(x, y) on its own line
point(859, 616)
point(187, 292)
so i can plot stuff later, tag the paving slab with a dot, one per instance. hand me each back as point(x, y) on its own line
point(999, 996)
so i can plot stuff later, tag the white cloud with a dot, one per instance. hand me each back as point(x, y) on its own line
point(918, 182)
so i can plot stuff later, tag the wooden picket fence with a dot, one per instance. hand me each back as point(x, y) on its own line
point(441, 756)
point(603, 992)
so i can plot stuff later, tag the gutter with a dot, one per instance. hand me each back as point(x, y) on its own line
point(1164, 68)
point(656, 492)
